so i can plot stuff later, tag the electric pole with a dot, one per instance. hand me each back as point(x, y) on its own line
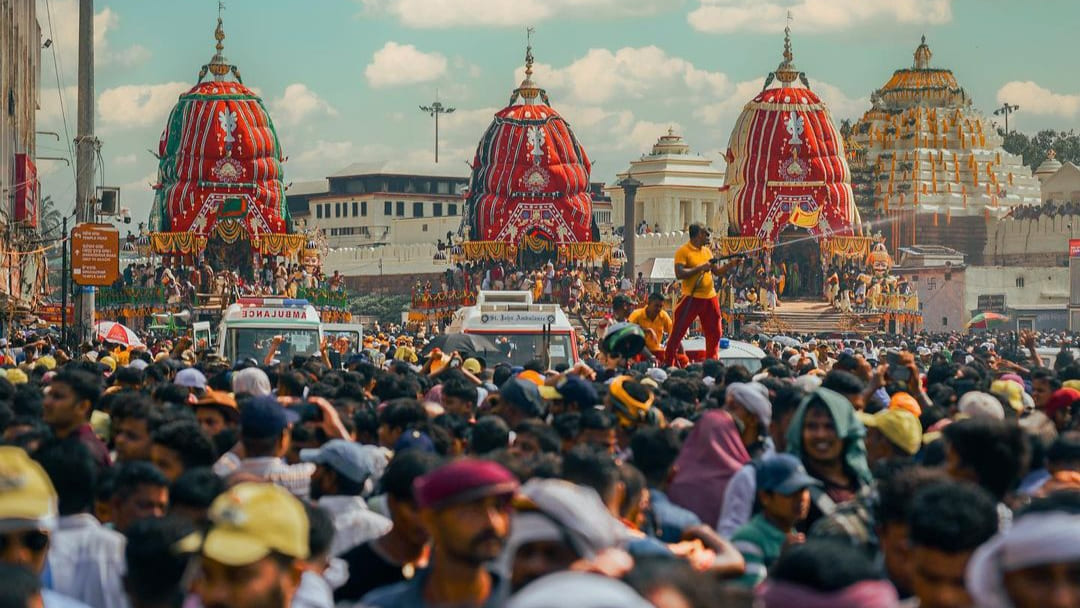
point(1005, 110)
point(434, 110)
point(629, 186)
point(86, 149)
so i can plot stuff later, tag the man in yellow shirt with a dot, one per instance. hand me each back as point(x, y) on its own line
point(695, 266)
point(655, 321)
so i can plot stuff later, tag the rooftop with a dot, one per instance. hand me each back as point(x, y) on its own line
point(394, 167)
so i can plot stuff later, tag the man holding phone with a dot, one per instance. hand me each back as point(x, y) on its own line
point(695, 266)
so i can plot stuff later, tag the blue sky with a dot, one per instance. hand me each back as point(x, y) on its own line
point(343, 78)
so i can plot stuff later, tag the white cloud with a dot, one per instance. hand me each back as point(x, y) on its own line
point(49, 114)
point(400, 64)
point(645, 133)
point(65, 39)
point(298, 103)
point(1038, 100)
point(725, 16)
point(509, 13)
point(139, 105)
point(602, 75)
point(125, 160)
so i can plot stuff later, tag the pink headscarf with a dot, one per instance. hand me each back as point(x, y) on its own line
point(864, 594)
point(711, 456)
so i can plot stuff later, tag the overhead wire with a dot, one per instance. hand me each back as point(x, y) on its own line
point(60, 92)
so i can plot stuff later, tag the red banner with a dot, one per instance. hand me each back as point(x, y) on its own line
point(26, 191)
point(1074, 248)
point(50, 313)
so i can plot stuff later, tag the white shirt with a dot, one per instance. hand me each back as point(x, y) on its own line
point(86, 562)
point(354, 522)
point(296, 478)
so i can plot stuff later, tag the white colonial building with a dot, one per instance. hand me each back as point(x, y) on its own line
point(679, 187)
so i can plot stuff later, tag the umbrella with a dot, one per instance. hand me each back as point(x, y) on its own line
point(786, 341)
point(466, 344)
point(983, 320)
point(118, 333)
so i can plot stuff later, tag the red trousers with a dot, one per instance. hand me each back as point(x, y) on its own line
point(706, 309)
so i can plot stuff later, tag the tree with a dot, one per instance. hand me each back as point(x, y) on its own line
point(387, 308)
point(1034, 148)
point(50, 219)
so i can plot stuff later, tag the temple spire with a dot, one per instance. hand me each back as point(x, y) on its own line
point(528, 90)
point(922, 55)
point(786, 72)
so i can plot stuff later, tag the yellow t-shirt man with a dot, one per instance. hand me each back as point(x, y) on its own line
point(660, 326)
point(699, 285)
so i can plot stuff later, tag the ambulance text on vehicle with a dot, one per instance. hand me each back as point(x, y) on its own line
point(514, 316)
point(249, 326)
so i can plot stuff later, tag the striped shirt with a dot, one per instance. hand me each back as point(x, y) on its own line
point(760, 543)
point(296, 478)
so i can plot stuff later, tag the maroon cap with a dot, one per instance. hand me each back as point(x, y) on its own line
point(461, 481)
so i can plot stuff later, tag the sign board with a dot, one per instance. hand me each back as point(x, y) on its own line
point(26, 191)
point(1074, 248)
point(992, 303)
point(535, 319)
point(50, 313)
point(273, 313)
point(95, 254)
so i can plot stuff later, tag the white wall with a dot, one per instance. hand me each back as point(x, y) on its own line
point(1041, 285)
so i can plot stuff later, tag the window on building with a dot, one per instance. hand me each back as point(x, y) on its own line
point(423, 228)
point(931, 283)
point(363, 208)
point(387, 208)
point(318, 211)
point(355, 208)
point(452, 209)
point(436, 209)
point(1020, 282)
point(401, 208)
point(944, 321)
point(326, 212)
point(418, 209)
point(337, 209)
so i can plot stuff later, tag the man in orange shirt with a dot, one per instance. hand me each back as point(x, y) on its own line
point(655, 321)
point(695, 266)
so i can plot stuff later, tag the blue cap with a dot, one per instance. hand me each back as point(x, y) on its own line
point(353, 460)
point(524, 395)
point(264, 417)
point(414, 440)
point(576, 389)
point(783, 474)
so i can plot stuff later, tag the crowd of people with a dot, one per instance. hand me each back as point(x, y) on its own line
point(183, 283)
point(923, 471)
point(1049, 208)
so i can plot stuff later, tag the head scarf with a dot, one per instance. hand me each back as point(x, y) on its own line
point(711, 456)
point(848, 429)
point(754, 396)
point(864, 594)
point(1035, 539)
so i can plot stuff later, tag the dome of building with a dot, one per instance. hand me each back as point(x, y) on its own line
point(672, 143)
point(1048, 167)
point(786, 163)
point(530, 176)
point(219, 168)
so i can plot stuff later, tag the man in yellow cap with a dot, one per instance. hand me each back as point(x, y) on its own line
point(891, 434)
point(28, 512)
point(632, 404)
point(252, 555)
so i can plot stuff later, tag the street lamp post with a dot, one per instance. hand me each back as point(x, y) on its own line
point(434, 110)
point(629, 186)
point(1006, 109)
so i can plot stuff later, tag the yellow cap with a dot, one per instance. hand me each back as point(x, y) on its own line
point(899, 426)
point(550, 393)
point(107, 360)
point(471, 365)
point(1011, 391)
point(252, 520)
point(48, 361)
point(16, 376)
point(26, 493)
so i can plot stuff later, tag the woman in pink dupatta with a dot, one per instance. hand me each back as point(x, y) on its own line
point(711, 456)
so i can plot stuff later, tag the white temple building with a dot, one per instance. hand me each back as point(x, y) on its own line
point(679, 187)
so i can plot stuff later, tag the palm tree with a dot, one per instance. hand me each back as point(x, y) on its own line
point(50, 218)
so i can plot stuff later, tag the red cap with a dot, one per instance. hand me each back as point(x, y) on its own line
point(461, 481)
point(1062, 398)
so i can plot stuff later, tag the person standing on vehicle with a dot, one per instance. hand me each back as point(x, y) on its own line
point(695, 267)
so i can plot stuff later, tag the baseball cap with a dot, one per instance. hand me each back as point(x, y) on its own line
point(26, 493)
point(532, 376)
point(414, 440)
point(461, 481)
point(250, 521)
point(1011, 391)
point(522, 394)
point(783, 474)
point(471, 365)
point(899, 426)
point(977, 404)
point(353, 460)
point(575, 389)
point(191, 378)
point(904, 401)
point(265, 417)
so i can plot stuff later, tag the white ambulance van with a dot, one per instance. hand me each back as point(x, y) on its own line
point(520, 329)
point(249, 326)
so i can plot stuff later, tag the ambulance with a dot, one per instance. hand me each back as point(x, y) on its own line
point(249, 326)
point(519, 329)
